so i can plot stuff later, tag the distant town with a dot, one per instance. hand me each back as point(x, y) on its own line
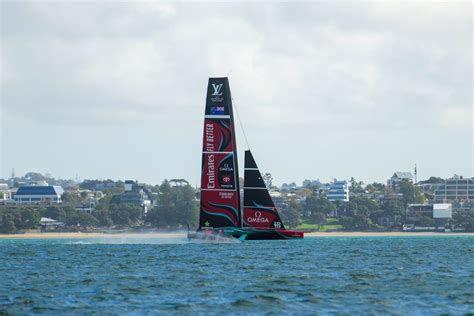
point(36, 202)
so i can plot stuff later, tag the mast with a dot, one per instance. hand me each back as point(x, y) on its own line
point(220, 192)
point(259, 210)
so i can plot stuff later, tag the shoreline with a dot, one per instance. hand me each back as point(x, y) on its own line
point(53, 235)
point(384, 234)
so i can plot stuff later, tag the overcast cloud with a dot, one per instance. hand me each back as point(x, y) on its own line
point(325, 90)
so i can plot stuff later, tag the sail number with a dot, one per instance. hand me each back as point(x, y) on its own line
point(277, 224)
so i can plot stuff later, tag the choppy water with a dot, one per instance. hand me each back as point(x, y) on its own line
point(322, 275)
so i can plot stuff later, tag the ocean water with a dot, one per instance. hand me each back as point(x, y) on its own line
point(317, 275)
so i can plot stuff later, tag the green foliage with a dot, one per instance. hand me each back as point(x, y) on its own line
point(331, 224)
point(125, 214)
point(103, 217)
point(411, 194)
point(71, 198)
point(357, 222)
point(318, 204)
point(115, 199)
point(27, 218)
point(104, 203)
point(375, 187)
point(13, 219)
point(358, 205)
point(318, 218)
point(394, 208)
point(84, 219)
point(119, 189)
point(464, 219)
point(290, 215)
point(7, 223)
point(268, 180)
point(56, 213)
point(433, 180)
point(176, 207)
point(425, 221)
point(356, 186)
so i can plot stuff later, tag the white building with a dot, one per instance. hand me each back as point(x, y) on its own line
point(442, 210)
point(456, 189)
point(50, 194)
point(50, 224)
point(338, 191)
point(6, 193)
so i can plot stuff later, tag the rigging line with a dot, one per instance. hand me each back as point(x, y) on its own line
point(240, 122)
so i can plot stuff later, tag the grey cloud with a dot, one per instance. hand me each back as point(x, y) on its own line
point(296, 69)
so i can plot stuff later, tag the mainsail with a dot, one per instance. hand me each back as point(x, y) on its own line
point(220, 193)
point(259, 210)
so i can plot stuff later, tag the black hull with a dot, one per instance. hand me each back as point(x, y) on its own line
point(270, 234)
point(247, 234)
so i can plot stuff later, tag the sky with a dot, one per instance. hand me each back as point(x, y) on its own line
point(101, 89)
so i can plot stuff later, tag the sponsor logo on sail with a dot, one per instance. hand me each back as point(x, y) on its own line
point(211, 184)
point(217, 89)
point(257, 218)
point(226, 167)
point(226, 195)
point(216, 96)
point(209, 136)
point(226, 179)
point(217, 110)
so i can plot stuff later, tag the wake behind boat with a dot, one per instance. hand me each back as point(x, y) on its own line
point(221, 213)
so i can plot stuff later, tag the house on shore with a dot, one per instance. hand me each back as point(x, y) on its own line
point(41, 194)
point(399, 176)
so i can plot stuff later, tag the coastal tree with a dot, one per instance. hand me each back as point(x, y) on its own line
point(124, 214)
point(79, 218)
point(375, 187)
point(56, 213)
point(356, 186)
point(318, 204)
point(14, 218)
point(103, 217)
point(27, 218)
point(186, 207)
point(464, 219)
point(290, 214)
point(7, 223)
point(358, 205)
point(268, 180)
point(318, 218)
point(71, 198)
point(176, 207)
point(425, 221)
point(411, 194)
point(162, 215)
point(356, 222)
point(432, 180)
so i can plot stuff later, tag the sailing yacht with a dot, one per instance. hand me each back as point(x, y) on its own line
point(221, 212)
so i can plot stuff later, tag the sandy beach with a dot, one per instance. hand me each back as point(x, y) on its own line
point(183, 234)
point(386, 234)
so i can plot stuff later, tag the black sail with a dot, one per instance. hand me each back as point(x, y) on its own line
point(259, 211)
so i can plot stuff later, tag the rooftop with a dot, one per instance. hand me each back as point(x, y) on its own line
point(40, 190)
point(403, 175)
